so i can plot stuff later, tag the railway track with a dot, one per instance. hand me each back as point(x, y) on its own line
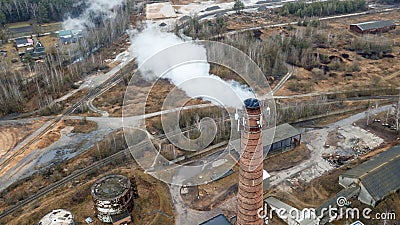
point(126, 152)
point(93, 93)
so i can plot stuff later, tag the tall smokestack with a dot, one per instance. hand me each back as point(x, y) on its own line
point(250, 194)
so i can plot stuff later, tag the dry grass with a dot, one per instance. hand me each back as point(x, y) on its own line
point(75, 196)
point(373, 73)
point(287, 159)
point(11, 135)
point(208, 196)
point(153, 195)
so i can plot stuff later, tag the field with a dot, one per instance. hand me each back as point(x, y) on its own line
point(12, 134)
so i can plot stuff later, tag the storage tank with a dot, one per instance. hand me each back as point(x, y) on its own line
point(58, 217)
point(112, 195)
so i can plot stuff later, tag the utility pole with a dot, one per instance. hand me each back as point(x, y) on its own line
point(397, 115)
point(368, 113)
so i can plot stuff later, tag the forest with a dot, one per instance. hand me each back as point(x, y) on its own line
point(60, 68)
point(327, 8)
point(40, 10)
point(389, 1)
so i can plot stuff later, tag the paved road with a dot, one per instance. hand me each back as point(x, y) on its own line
point(284, 79)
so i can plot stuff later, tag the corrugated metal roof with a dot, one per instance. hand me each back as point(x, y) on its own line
point(383, 180)
point(218, 220)
point(373, 163)
point(375, 24)
point(380, 175)
point(285, 131)
point(332, 202)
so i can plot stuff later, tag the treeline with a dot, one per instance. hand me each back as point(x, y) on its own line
point(291, 111)
point(389, 1)
point(373, 47)
point(197, 29)
point(273, 54)
point(40, 10)
point(326, 8)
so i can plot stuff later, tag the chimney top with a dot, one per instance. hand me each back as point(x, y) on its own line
point(252, 103)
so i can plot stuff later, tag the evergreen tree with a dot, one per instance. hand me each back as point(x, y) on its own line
point(238, 6)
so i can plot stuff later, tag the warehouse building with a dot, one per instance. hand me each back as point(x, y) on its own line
point(377, 178)
point(373, 27)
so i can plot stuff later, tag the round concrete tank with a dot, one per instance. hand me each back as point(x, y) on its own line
point(58, 217)
point(112, 195)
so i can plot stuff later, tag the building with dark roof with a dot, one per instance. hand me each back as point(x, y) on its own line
point(377, 178)
point(217, 220)
point(286, 137)
point(40, 50)
point(23, 42)
point(372, 27)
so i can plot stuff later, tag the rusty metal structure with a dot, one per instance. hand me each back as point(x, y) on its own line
point(250, 193)
point(113, 195)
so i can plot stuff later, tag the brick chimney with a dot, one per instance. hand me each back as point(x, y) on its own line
point(250, 194)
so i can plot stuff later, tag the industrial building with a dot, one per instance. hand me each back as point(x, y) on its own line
point(372, 27)
point(286, 137)
point(377, 177)
point(113, 197)
point(58, 217)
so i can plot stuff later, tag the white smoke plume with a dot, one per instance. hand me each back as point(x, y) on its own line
point(94, 8)
point(191, 78)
